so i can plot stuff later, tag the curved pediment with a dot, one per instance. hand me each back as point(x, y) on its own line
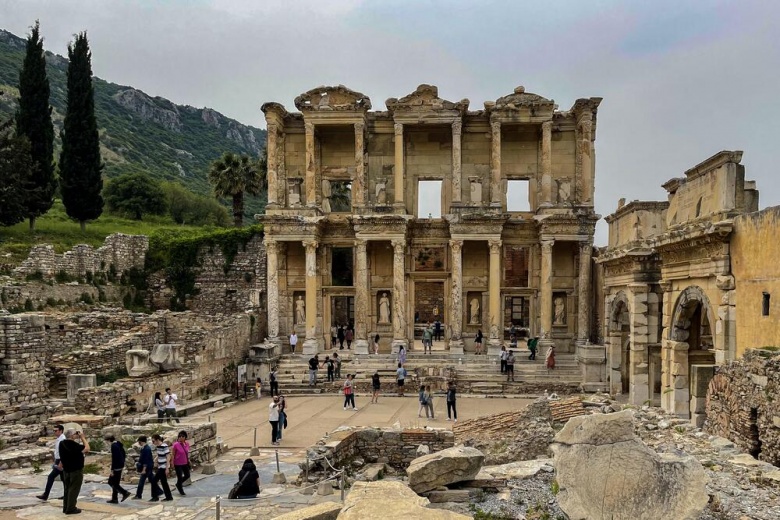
point(426, 99)
point(338, 98)
point(520, 99)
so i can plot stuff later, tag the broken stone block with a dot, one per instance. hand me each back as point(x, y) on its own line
point(444, 467)
point(76, 381)
point(138, 363)
point(166, 356)
point(390, 500)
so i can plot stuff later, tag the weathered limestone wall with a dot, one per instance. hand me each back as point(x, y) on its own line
point(742, 404)
point(121, 251)
point(754, 253)
point(15, 294)
point(22, 359)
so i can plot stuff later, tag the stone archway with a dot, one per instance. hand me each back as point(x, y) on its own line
point(620, 344)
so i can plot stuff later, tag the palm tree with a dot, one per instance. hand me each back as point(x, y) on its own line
point(233, 175)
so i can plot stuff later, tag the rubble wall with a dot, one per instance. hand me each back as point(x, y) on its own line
point(14, 295)
point(22, 358)
point(742, 404)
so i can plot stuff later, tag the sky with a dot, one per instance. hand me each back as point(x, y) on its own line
point(680, 80)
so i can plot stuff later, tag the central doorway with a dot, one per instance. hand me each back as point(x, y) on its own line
point(428, 308)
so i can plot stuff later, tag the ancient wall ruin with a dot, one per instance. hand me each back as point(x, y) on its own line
point(22, 359)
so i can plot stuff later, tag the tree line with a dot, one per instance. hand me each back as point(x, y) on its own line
point(28, 173)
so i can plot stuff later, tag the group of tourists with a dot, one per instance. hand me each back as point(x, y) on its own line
point(507, 357)
point(425, 398)
point(332, 363)
point(341, 334)
point(165, 404)
point(432, 332)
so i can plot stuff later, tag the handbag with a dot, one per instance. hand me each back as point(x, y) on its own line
point(233, 494)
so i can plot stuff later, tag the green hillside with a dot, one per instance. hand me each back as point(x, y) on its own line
point(139, 132)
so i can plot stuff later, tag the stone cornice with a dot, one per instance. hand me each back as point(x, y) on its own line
point(425, 100)
point(717, 160)
point(637, 205)
point(692, 236)
point(329, 98)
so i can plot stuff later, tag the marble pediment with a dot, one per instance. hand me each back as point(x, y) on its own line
point(520, 100)
point(426, 99)
point(338, 98)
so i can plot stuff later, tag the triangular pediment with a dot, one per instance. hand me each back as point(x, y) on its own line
point(426, 99)
point(338, 98)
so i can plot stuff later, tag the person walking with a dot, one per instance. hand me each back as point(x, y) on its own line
point(503, 355)
point(282, 417)
point(428, 396)
point(170, 400)
point(274, 381)
point(510, 366)
point(258, 387)
point(329, 364)
point(293, 342)
point(375, 386)
point(72, 455)
point(59, 433)
point(337, 365)
point(478, 342)
point(532, 344)
point(118, 456)
point(348, 337)
point(334, 336)
point(376, 344)
point(421, 400)
point(349, 395)
point(550, 358)
point(437, 330)
point(401, 354)
point(160, 478)
point(451, 402)
point(145, 466)
point(340, 337)
point(427, 339)
point(400, 375)
point(181, 461)
point(160, 406)
point(314, 364)
point(273, 418)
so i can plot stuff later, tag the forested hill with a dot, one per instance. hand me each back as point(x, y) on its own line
point(137, 132)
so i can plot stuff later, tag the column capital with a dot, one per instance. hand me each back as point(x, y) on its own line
point(310, 244)
point(360, 126)
point(456, 245)
point(495, 126)
point(495, 245)
point(271, 246)
point(398, 246)
point(399, 128)
point(272, 128)
point(547, 244)
point(457, 127)
point(547, 126)
point(309, 127)
point(586, 248)
point(360, 243)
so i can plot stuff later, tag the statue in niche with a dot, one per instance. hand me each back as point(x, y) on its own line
point(564, 190)
point(294, 192)
point(384, 309)
point(474, 311)
point(638, 229)
point(475, 194)
point(300, 310)
point(380, 192)
point(326, 193)
point(559, 317)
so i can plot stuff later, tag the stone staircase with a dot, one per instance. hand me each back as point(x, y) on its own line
point(474, 374)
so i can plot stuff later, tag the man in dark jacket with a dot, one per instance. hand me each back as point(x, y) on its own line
point(72, 465)
point(117, 465)
point(145, 467)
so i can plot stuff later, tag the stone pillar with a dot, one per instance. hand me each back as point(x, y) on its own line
point(546, 164)
point(272, 286)
point(311, 345)
point(77, 381)
point(583, 296)
point(361, 298)
point(545, 293)
point(585, 150)
point(399, 295)
point(398, 190)
point(272, 166)
point(457, 126)
point(310, 182)
point(359, 182)
point(495, 163)
point(680, 402)
point(639, 360)
point(592, 359)
point(456, 305)
point(494, 298)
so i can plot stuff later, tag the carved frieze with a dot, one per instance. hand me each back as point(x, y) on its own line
point(338, 98)
point(425, 99)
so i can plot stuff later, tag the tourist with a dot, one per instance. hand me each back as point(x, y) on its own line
point(421, 400)
point(512, 331)
point(401, 354)
point(282, 406)
point(348, 336)
point(349, 395)
point(503, 356)
point(118, 456)
point(144, 466)
point(160, 478)
point(314, 364)
point(258, 387)
point(160, 406)
point(376, 344)
point(437, 330)
point(330, 365)
point(340, 337)
point(428, 396)
point(274, 381)
point(334, 336)
point(337, 362)
point(170, 400)
point(59, 432)
point(451, 402)
point(273, 418)
point(249, 480)
point(550, 357)
point(478, 342)
point(400, 376)
point(181, 461)
point(375, 386)
point(532, 343)
point(513, 340)
point(72, 455)
point(427, 339)
point(510, 366)
point(293, 342)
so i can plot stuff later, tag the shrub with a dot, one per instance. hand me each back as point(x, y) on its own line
point(95, 445)
point(28, 305)
point(87, 298)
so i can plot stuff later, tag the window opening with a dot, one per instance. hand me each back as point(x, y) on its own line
point(341, 266)
point(517, 198)
point(429, 199)
point(765, 304)
point(340, 197)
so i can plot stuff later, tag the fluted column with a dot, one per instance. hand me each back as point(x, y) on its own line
point(272, 166)
point(310, 182)
point(583, 297)
point(546, 163)
point(399, 295)
point(398, 190)
point(494, 297)
point(456, 305)
point(361, 298)
point(585, 152)
point(457, 126)
point(311, 345)
point(495, 163)
point(272, 286)
point(545, 292)
point(359, 182)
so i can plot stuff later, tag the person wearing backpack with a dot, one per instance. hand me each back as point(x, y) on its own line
point(428, 396)
point(337, 362)
point(400, 375)
point(423, 403)
point(329, 363)
point(274, 382)
point(451, 402)
point(248, 485)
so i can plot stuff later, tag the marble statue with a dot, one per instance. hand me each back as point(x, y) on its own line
point(300, 310)
point(384, 309)
point(560, 311)
point(474, 311)
point(326, 193)
point(381, 192)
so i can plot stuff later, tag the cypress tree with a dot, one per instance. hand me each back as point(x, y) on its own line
point(15, 167)
point(81, 182)
point(33, 121)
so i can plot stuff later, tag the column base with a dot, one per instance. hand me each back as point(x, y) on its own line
point(360, 347)
point(310, 347)
point(397, 343)
point(456, 347)
point(494, 347)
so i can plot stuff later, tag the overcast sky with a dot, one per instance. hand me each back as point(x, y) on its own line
point(680, 80)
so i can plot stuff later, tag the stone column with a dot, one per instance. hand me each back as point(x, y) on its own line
point(311, 345)
point(456, 305)
point(310, 182)
point(398, 189)
point(272, 286)
point(457, 126)
point(272, 166)
point(494, 298)
point(399, 295)
point(361, 298)
point(639, 361)
point(583, 297)
point(545, 293)
point(585, 151)
point(546, 164)
point(359, 182)
point(495, 163)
